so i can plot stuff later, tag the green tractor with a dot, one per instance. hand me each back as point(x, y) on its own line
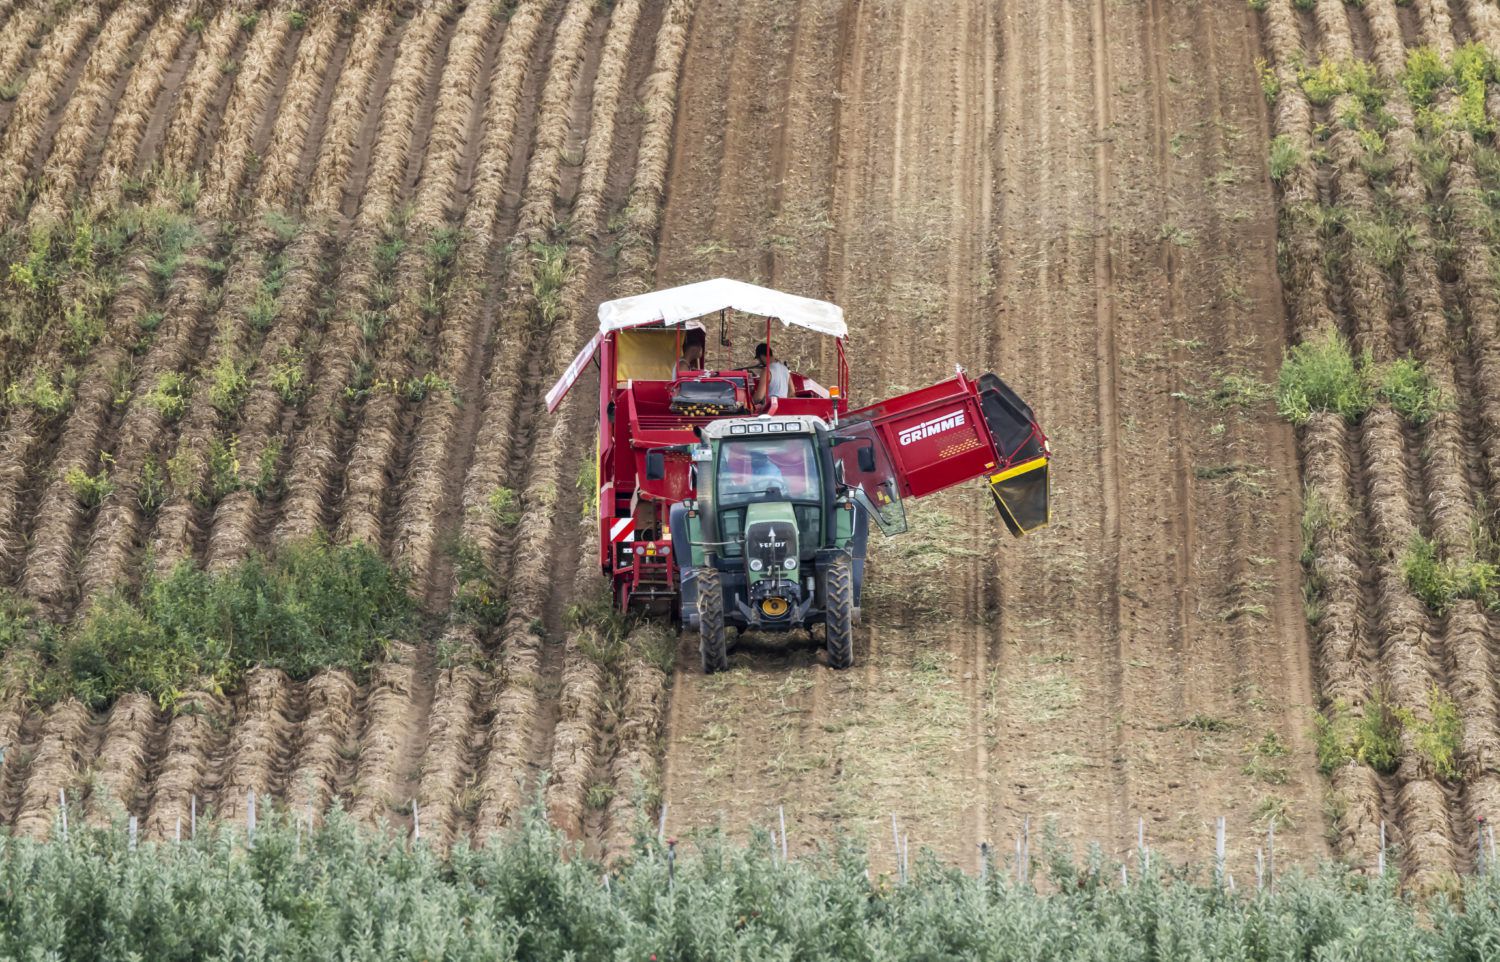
point(774, 537)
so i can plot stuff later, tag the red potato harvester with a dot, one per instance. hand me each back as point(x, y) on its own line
point(740, 495)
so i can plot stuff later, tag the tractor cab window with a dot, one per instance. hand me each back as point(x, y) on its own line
point(768, 469)
point(869, 474)
point(763, 469)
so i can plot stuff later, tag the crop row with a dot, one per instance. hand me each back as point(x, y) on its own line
point(1371, 257)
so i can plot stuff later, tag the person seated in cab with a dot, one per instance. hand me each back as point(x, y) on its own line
point(694, 340)
point(775, 378)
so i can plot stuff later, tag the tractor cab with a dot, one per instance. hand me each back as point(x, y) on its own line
point(771, 521)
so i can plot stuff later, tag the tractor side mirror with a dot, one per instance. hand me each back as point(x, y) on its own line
point(867, 458)
point(656, 464)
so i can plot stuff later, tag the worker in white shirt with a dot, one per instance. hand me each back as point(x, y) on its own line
point(775, 379)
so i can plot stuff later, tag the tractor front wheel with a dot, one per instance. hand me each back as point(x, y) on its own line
point(838, 593)
point(711, 644)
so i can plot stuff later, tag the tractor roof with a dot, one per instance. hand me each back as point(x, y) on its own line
point(676, 305)
point(763, 425)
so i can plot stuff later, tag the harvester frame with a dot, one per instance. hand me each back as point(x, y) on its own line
point(675, 540)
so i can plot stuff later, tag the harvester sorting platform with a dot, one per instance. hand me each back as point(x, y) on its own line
point(719, 511)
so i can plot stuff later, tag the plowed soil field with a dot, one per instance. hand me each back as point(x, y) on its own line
point(377, 232)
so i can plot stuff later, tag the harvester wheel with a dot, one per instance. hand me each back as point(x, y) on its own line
point(838, 584)
point(711, 622)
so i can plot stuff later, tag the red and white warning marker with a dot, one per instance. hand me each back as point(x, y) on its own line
point(622, 530)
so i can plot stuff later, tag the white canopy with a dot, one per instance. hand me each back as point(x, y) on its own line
point(678, 304)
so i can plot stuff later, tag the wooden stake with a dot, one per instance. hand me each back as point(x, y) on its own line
point(1219, 850)
point(1271, 853)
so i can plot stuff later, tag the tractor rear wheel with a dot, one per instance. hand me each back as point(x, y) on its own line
point(838, 593)
point(711, 644)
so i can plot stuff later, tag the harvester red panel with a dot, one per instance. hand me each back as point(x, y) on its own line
point(960, 429)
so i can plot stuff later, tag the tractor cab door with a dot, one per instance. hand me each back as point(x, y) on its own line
point(869, 474)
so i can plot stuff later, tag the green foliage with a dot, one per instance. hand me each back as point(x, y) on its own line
point(477, 600)
point(85, 326)
point(1439, 582)
point(504, 507)
point(587, 484)
point(267, 481)
point(310, 607)
point(1270, 83)
point(288, 376)
point(1372, 737)
point(1411, 390)
point(89, 489)
point(1382, 239)
point(416, 388)
point(298, 19)
point(439, 251)
point(223, 468)
point(169, 395)
point(228, 384)
point(1320, 374)
point(1474, 68)
point(1440, 739)
point(1238, 389)
point(1425, 73)
point(153, 491)
point(45, 393)
point(170, 237)
point(1285, 155)
point(549, 273)
point(1332, 79)
point(345, 891)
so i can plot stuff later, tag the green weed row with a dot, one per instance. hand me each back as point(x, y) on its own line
point(310, 607)
point(1323, 374)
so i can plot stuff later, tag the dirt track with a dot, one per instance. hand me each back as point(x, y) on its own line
point(1072, 195)
point(1076, 198)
